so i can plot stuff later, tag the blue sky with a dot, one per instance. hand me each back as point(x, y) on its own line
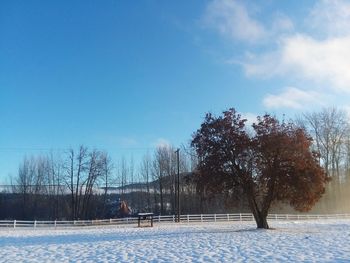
point(125, 77)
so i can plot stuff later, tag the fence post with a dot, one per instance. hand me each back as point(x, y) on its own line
point(158, 218)
point(214, 217)
point(34, 223)
point(173, 218)
point(240, 217)
point(14, 223)
point(188, 218)
point(74, 222)
point(201, 218)
point(55, 223)
point(110, 220)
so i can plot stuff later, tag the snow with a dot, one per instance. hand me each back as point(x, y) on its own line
point(306, 241)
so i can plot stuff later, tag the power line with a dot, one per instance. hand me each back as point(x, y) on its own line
point(24, 149)
point(21, 149)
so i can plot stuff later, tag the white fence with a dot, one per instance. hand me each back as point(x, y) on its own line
point(165, 219)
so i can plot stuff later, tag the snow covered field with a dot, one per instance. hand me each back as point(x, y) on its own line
point(301, 241)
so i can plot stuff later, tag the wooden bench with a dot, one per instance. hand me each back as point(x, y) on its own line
point(144, 217)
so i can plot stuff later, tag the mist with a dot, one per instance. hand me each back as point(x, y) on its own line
point(336, 199)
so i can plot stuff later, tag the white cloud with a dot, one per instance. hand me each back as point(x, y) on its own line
point(292, 98)
point(324, 62)
point(316, 57)
point(234, 20)
point(264, 65)
point(231, 19)
point(281, 24)
point(327, 60)
point(331, 17)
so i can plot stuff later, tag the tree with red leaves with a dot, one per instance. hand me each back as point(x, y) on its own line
point(271, 162)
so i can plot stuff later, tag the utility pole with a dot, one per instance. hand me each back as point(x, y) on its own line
point(177, 189)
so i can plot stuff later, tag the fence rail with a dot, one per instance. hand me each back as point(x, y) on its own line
point(165, 219)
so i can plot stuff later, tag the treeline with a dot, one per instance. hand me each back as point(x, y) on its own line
point(51, 187)
point(87, 184)
point(330, 130)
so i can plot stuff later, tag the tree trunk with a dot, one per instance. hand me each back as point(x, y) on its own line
point(261, 221)
point(259, 216)
point(148, 197)
point(161, 197)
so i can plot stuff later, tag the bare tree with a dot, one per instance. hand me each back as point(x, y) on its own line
point(133, 201)
point(164, 174)
point(31, 184)
point(42, 195)
point(158, 174)
point(54, 181)
point(169, 166)
point(95, 171)
point(145, 171)
point(24, 183)
point(39, 189)
point(75, 174)
point(329, 128)
point(107, 169)
point(123, 175)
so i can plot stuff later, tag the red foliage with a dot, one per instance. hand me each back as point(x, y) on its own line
point(275, 163)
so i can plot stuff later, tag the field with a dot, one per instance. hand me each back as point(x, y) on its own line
point(298, 241)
